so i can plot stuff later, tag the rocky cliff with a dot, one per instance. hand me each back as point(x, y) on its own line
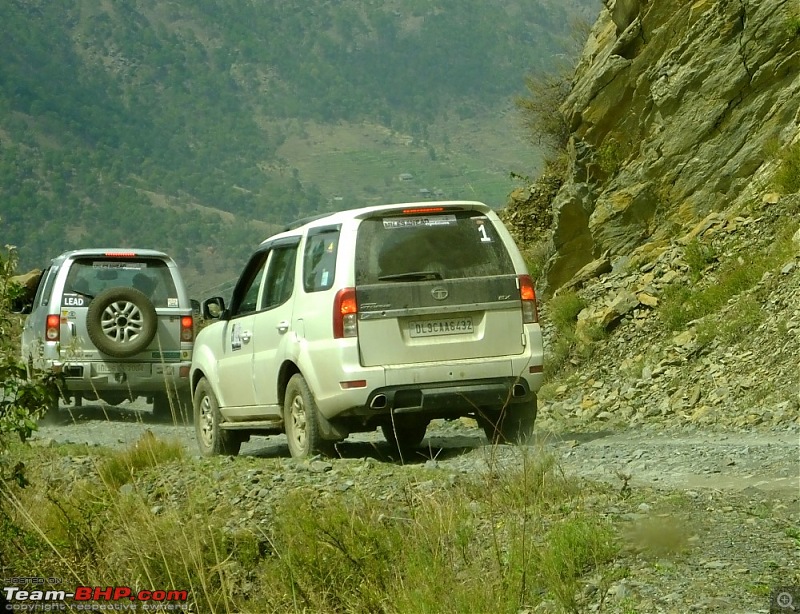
point(675, 111)
point(675, 233)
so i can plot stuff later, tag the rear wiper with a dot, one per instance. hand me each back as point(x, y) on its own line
point(74, 291)
point(412, 276)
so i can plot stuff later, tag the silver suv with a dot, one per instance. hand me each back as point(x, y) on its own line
point(117, 324)
point(386, 316)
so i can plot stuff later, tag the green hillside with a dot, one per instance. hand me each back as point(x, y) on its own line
point(198, 127)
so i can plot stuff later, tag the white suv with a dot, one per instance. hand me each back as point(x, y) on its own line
point(385, 316)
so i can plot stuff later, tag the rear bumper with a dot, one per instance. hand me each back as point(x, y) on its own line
point(445, 387)
point(134, 378)
point(444, 399)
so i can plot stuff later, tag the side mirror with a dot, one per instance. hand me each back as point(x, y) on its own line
point(22, 308)
point(213, 308)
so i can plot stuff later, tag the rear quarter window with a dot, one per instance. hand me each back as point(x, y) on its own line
point(319, 259)
point(453, 245)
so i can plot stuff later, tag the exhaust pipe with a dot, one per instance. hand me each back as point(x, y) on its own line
point(379, 402)
point(519, 390)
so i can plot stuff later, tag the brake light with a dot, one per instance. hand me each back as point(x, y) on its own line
point(187, 328)
point(120, 254)
point(419, 210)
point(530, 312)
point(345, 314)
point(53, 328)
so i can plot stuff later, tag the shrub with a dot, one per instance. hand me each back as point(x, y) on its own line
point(698, 257)
point(562, 311)
point(24, 394)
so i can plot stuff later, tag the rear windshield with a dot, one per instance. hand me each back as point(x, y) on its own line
point(91, 276)
point(452, 245)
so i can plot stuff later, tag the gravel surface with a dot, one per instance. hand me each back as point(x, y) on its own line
point(686, 457)
point(709, 520)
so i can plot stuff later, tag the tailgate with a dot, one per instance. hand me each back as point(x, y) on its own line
point(439, 320)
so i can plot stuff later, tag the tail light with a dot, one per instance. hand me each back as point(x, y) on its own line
point(187, 328)
point(530, 312)
point(52, 330)
point(345, 314)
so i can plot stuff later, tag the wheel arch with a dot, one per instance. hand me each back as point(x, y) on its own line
point(285, 373)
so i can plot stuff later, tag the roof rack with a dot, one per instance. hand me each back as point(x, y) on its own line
point(305, 220)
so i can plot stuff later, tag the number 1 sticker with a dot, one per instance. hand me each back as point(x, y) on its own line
point(485, 238)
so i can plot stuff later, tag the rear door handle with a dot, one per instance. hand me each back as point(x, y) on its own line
point(282, 326)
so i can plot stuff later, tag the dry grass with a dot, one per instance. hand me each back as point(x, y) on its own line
point(500, 541)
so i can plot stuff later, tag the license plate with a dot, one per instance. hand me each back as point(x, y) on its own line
point(434, 328)
point(122, 367)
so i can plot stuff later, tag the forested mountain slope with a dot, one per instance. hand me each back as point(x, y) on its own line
point(196, 127)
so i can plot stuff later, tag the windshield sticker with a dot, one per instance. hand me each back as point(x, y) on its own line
point(172, 302)
point(128, 266)
point(410, 222)
point(485, 238)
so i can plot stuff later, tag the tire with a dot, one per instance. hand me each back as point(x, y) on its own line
point(51, 417)
point(301, 423)
point(121, 322)
point(512, 424)
point(211, 439)
point(161, 407)
point(405, 436)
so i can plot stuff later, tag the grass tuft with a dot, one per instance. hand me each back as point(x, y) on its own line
point(787, 178)
point(562, 311)
point(148, 451)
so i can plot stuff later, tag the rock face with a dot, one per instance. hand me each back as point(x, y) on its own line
point(674, 109)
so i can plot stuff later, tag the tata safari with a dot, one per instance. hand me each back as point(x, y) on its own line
point(382, 317)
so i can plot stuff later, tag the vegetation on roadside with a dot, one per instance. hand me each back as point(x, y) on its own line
point(24, 393)
point(562, 311)
point(787, 178)
point(685, 302)
point(502, 542)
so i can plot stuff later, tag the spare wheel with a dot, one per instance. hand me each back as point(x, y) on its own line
point(121, 322)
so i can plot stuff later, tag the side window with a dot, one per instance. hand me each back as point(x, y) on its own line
point(319, 260)
point(249, 286)
point(280, 277)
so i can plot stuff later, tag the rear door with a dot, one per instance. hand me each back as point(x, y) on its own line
point(435, 285)
point(89, 276)
point(273, 328)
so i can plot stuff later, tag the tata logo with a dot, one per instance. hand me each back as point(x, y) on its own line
point(439, 294)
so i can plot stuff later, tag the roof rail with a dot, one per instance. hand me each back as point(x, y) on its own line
point(305, 220)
